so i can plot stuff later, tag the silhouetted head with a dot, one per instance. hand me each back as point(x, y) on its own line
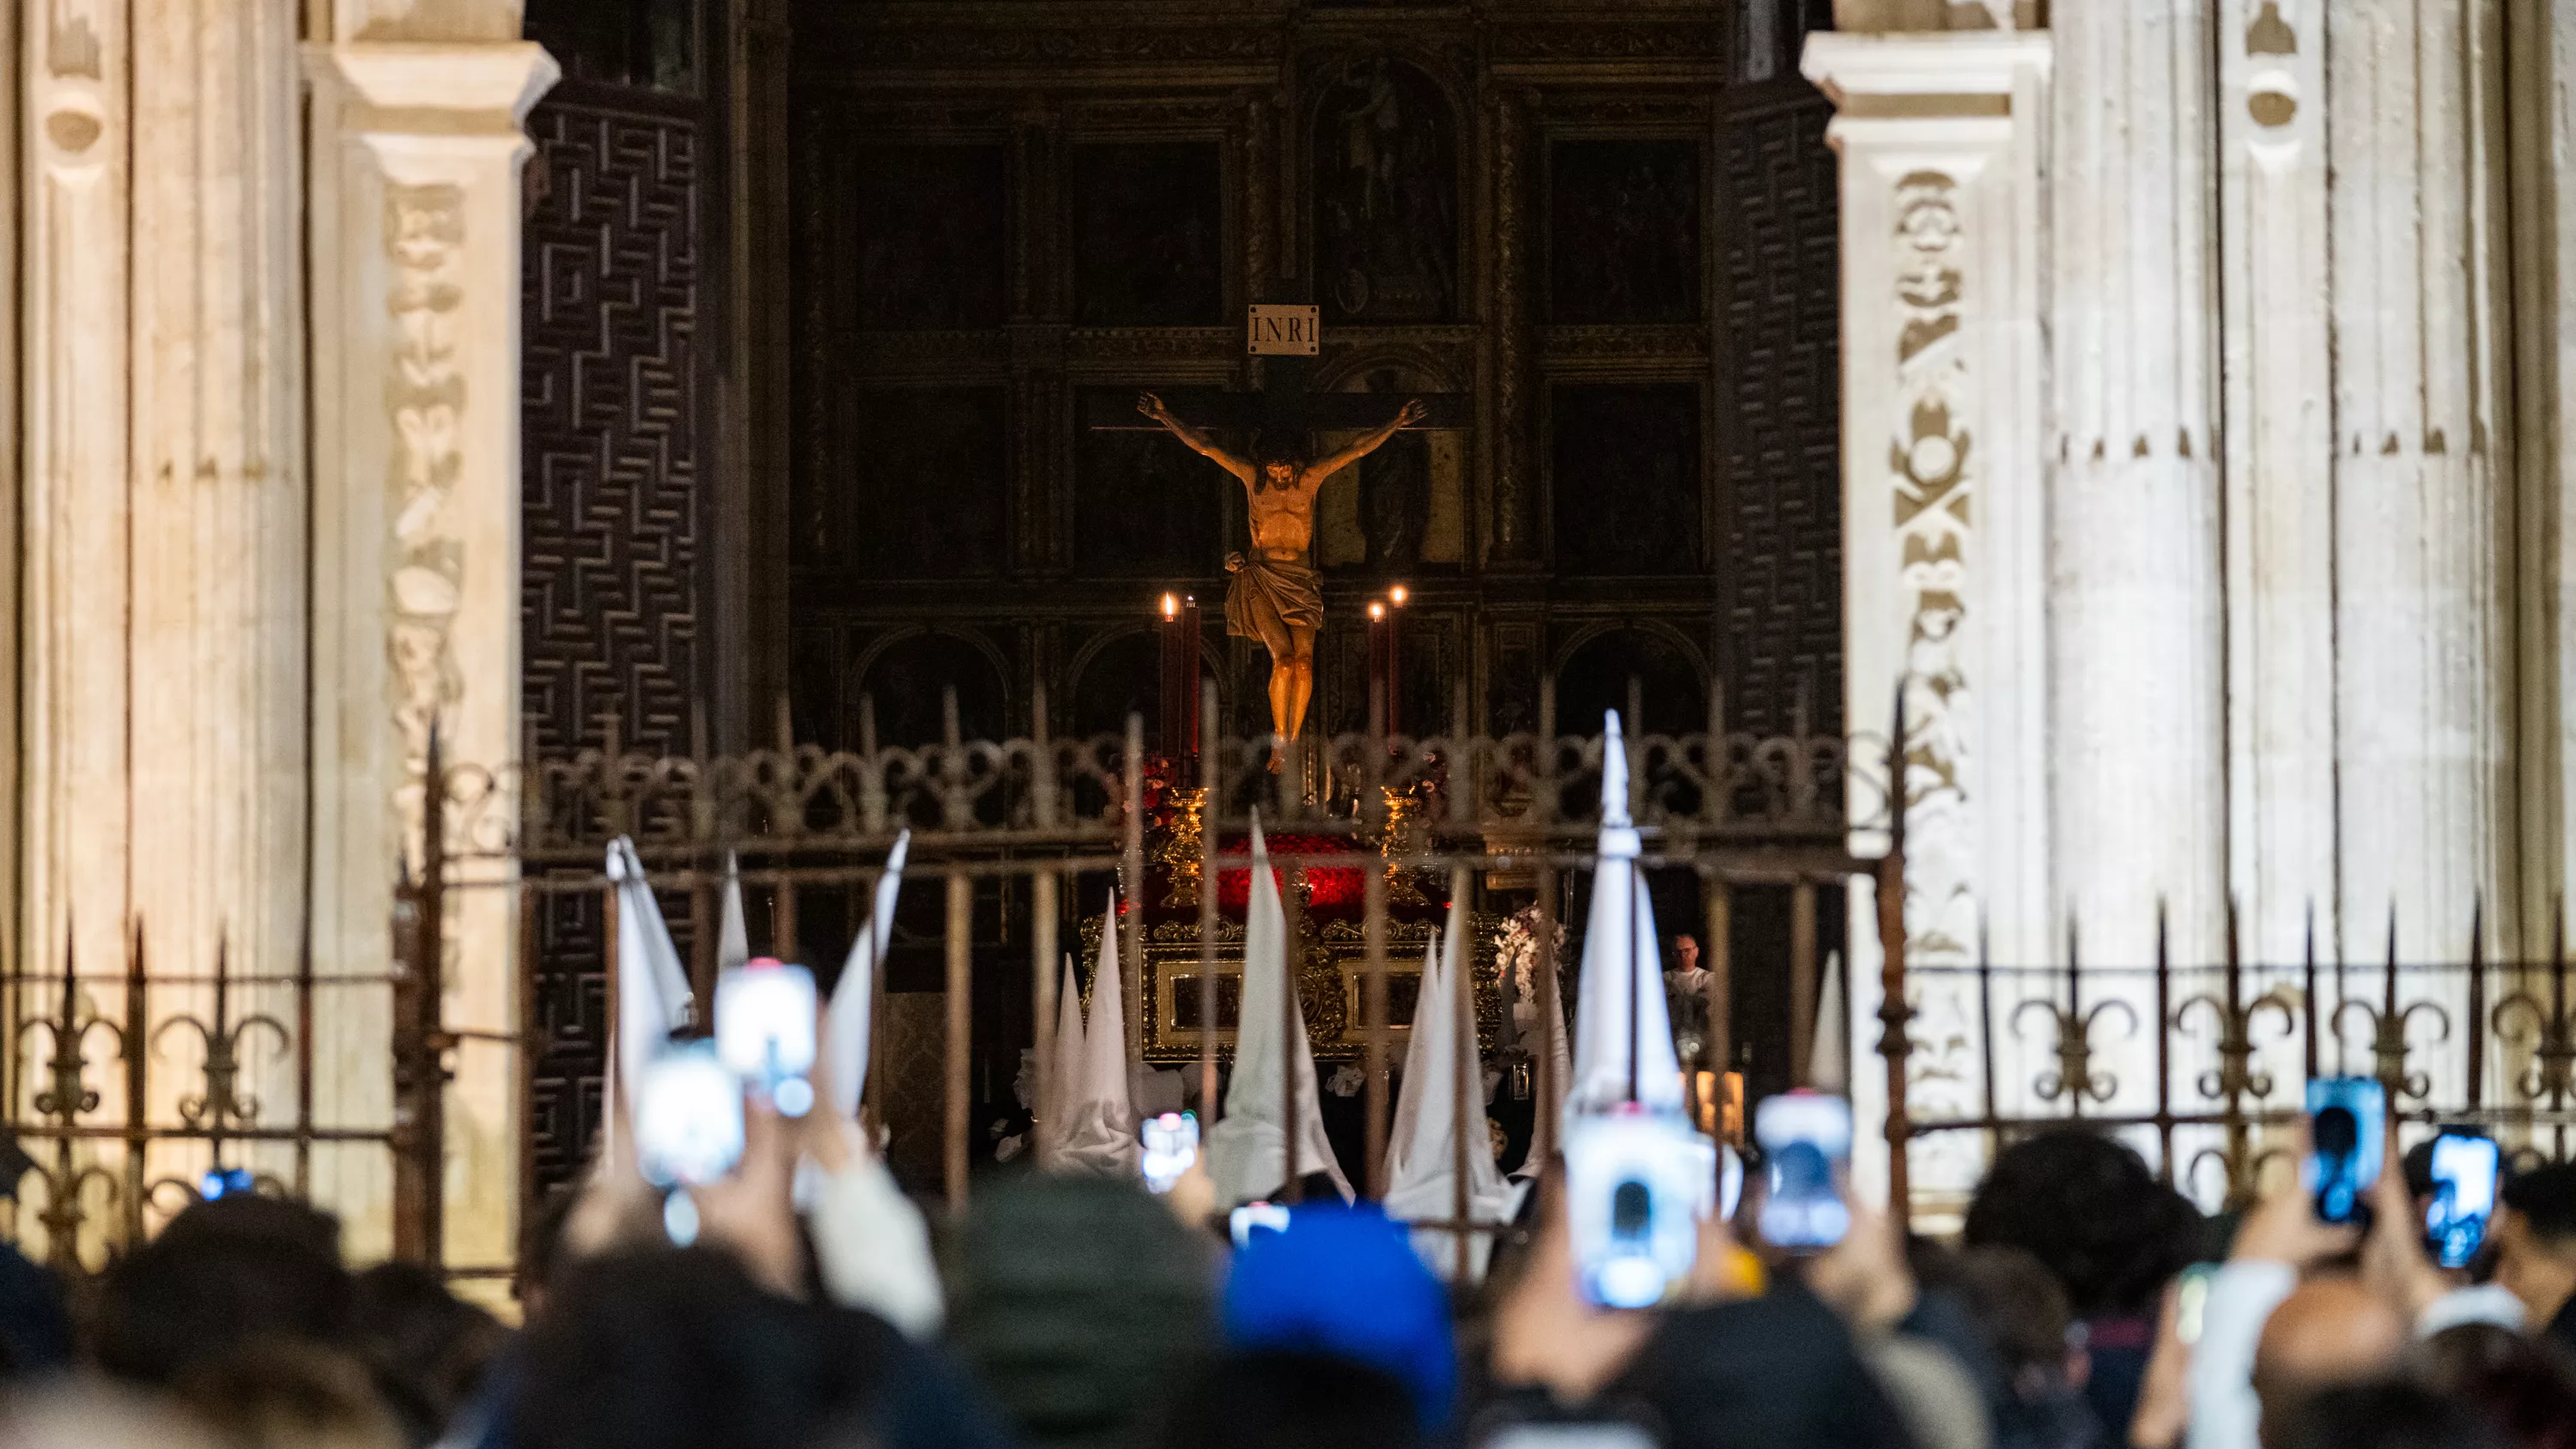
point(222, 1275)
point(2089, 1208)
point(2329, 1333)
point(2389, 1415)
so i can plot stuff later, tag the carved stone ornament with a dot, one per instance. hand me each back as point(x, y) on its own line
point(425, 401)
point(1928, 464)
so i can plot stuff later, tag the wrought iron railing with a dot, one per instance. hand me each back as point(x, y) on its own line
point(2196, 1063)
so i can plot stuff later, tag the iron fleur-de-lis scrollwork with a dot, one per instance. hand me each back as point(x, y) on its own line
point(2388, 1023)
point(2235, 1077)
point(68, 1093)
point(2075, 1080)
point(2551, 1029)
point(222, 1101)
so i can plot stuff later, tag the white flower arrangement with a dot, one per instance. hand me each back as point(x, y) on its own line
point(1516, 953)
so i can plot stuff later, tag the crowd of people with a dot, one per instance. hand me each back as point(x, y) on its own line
point(2083, 1304)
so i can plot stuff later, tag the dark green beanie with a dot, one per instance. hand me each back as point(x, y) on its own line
point(1083, 1304)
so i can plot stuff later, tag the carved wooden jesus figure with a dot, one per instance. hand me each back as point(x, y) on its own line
point(1275, 595)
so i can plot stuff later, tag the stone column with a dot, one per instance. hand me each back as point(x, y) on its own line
point(2422, 524)
point(2136, 740)
point(417, 146)
point(1944, 520)
point(77, 500)
point(2277, 339)
point(2543, 56)
point(164, 564)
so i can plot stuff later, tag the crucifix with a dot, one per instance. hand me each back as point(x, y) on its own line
point(1274, 594)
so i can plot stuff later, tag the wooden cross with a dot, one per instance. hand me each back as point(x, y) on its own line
point(1283, 410)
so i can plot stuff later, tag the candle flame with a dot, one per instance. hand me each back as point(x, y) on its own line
point(1377, 611)
point(1399, 596)
point(1171, 607)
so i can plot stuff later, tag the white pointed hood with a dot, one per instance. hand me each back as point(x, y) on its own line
point(1247, 1149)
point(1055, 1074)
point(1622, 968)
point(733, 939)
point(652, 990)
point(1543, 1128)
point(1095, 1096)
point(1829, 1059)
point(1422, 1158)
point(845, 1023)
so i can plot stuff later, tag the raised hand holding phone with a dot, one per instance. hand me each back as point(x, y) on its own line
point(767, 1013)
point(2283, 1226)
point(1806, 1142)
point(2347, 1143)
point(2468, 1168)
point(1545, 1331)
point(2394, 1260)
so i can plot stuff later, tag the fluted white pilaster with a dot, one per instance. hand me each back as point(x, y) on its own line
point(2136, 649)
point(2280, 454)
point(2422, 515)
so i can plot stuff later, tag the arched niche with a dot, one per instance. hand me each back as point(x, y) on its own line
point(1121, 672)
point(1382, 155)
point(1594, 669)
point(904, 678)
point(1402, 509)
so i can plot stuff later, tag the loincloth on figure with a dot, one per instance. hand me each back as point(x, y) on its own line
point(1267, 599)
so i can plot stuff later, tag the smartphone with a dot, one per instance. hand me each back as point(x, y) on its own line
point(765, 1013)
point(1252, 1217)
point(1806, 1140)
point(688, 1118)
point(1637, 1184)
point(2347, 1122)
point(2466, 1166)
point(1171, 1146)
point(225, 1182)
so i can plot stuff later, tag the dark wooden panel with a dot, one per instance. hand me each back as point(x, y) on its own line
point(1626, 478)
point(641, 43)
point(931, 483)
point(1624, 231)
point(1144, 506)
point(1148, 234)
point(1783, 563)
point(931, 238)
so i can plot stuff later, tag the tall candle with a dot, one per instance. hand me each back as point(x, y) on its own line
point(1178, 730)
point(1381, 701)
point(1395, 660)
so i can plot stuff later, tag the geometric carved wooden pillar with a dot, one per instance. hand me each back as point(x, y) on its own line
point(417, 149)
